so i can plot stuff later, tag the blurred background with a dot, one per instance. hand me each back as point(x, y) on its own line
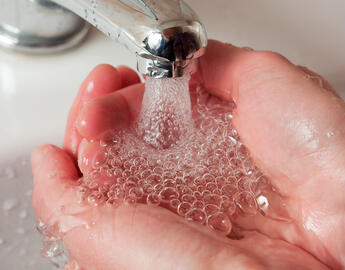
point(36, 92)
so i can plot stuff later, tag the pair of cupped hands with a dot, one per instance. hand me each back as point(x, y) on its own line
point(293, 124)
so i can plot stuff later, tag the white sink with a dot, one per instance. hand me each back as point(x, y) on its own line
point(37, 91)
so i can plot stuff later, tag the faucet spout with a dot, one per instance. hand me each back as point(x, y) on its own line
point(166, 35)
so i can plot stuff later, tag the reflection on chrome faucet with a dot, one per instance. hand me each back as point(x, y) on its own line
point(166, 35)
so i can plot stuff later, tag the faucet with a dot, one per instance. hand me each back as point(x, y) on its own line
point(166, 35)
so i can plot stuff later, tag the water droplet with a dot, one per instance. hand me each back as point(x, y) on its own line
point(153, 179)
point(136, 192)
point(231, 209)
point(147, 188)
point(213, 199)
point(99, 159)
point(9, 204)
point(220, 181)
point(112, 202)
point(20, 230)
point(271, 205)
point(174, 203)
point(95, 198)
point(169, 183)
point(188, 198)
point(220, 223)
point(23, 214)
point(229, 190)
point(139, 161)
point(246, 203)
point(158, 170)
point(196, 215)
point(211, 209)
point(208, 178)
point(110, 138)
point(128, 185)
point(153, 199)
point(243, 184)
point(126, 174)
point(130, 200)
point(10, 173)
point(183, 208)
point(199, 181)
point(211, 186)
point(167, 194)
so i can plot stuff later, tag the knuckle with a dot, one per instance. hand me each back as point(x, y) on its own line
point(261, 67)
point(269, 58)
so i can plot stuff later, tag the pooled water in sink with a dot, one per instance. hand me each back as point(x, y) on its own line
point(20, 244)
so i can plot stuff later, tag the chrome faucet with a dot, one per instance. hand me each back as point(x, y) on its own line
point(166, 35)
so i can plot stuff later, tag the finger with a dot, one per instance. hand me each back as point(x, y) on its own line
point(133, 239)
point(128, 76)
point(52, 161)
point(270, 92)
point(112, 112)
point(138, 237)
point(218, 68)
point(105, 238)
point(295, 132)
point(91, 155)
point(317, 79)
point(278, 109)
point(51, 167)
point(102, 80)
point(72, 265)
point(142, 237)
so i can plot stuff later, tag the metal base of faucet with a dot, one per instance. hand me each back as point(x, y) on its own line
point(166, 35)
point(21, 42)
point(54, 29)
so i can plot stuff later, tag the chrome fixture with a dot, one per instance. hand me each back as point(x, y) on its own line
point(166, 35)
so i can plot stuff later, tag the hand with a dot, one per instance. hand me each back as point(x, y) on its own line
point(294, 130)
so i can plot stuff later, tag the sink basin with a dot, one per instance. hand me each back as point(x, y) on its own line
point(37, 91)
point(35, 95)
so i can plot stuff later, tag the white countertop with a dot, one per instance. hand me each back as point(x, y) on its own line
point(37, 91)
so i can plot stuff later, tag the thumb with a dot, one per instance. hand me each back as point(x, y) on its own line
point(294, 129)
point(102, 237)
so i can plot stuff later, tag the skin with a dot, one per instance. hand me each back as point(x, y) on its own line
point(294, 130)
